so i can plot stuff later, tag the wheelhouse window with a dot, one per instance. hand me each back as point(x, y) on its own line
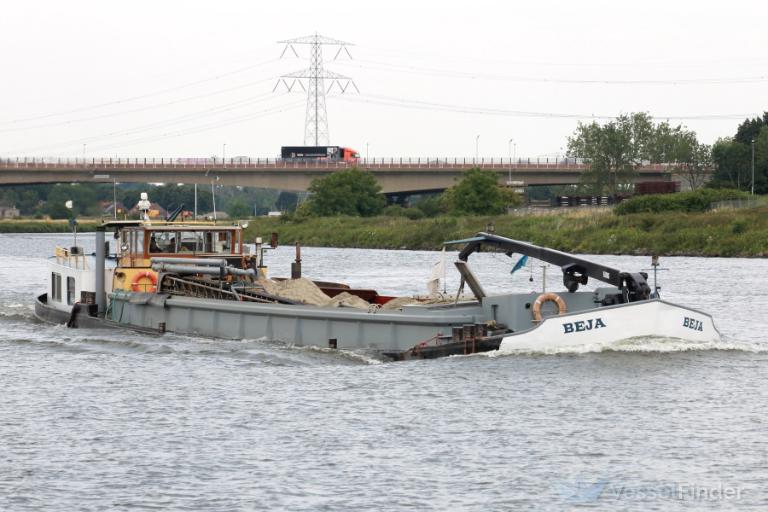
point(163, 242)
point(190, 241)
point(56, 286)
point(193, 242)
point(223, 242)
point(70, 290)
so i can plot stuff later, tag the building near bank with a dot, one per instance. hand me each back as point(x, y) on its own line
point(9, 212)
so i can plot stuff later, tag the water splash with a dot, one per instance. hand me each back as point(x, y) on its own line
point(16, 311)
point(645, 344)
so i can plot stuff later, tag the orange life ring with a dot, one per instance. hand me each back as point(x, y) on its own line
point(547, 297)
point(135, 286)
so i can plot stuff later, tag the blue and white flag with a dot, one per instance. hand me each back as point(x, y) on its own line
point(520, 264)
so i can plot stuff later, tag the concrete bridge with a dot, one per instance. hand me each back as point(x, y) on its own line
point(396, 176)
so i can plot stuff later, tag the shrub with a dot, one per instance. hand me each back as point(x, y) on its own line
point(393, 210)
point(414, 213)
point(347, 192)
point(432, 206)
point(694, 201)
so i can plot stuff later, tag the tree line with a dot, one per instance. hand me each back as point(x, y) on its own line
point(734, 157)
point(356, 192)
point(89, 199)
point(617, 148)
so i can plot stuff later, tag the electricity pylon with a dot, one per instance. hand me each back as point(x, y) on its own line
point(316, 119)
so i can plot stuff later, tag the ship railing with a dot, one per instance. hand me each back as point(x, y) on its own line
point(69, 258)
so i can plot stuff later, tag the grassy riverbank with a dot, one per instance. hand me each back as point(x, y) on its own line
point(44, 226)
point(741, 232)
point(723, 233)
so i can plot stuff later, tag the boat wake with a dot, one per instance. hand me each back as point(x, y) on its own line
point(259, 352)
point(643, 344)
point(15, 311)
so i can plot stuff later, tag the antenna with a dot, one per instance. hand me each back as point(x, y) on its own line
point(316, 119)
point(656, 268)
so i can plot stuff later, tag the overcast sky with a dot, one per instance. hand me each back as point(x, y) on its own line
point(183, 78)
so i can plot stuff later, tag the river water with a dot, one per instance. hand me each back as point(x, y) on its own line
point(111, 420)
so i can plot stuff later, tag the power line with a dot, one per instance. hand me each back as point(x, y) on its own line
point(159, 124)
point(688, 62)
point(142, 96)
point(191, 131)
point(443, 107)
point(390, 67)
point(132, 111)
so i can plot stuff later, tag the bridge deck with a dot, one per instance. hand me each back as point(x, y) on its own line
point(394, 175)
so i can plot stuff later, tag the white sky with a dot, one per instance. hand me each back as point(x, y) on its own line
point(182, 78)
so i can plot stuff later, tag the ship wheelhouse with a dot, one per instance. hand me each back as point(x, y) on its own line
point(139, 243)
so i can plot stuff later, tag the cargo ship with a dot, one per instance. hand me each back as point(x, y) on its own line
point(205, 280)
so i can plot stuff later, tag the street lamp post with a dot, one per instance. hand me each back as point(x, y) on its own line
point(753, 166)
point(477, 148)
point(224, 155)
point(509, 150)
point(366, 152)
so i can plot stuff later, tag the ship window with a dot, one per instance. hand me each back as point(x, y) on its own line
point(208, 240)
point(124, 242)
point(56, 287)
point(70, 290)
point(190, 241)
point(223, 242)
point(165, 242)
point(139, 247)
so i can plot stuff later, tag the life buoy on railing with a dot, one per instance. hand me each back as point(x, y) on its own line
point(547, 297)
point(135, 286)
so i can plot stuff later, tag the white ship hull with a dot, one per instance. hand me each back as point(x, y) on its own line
point(609, 325)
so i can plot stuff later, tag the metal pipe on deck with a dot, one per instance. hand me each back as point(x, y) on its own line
point(199, 269)
point(185, 269)
point(205, 262)
point(101, 294)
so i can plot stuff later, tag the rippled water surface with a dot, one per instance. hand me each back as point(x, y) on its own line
point(112, 420)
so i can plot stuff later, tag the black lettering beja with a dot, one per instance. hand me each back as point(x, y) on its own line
point(692, 323)
point(583, 325)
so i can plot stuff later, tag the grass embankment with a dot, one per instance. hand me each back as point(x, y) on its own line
point(44, 226)
point(723, 233)
point(742, 232)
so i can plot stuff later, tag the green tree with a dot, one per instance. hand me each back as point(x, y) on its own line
point(348, 192)
point(431, 206)
point(614, 150)
point(287, 201)
point(732, 163)
point(761, 161)
point(697, 164)
point(732, 157)
point(238, 208)
point(681, 148)
point(83, 199)
point(478, 193)
point(750, 129)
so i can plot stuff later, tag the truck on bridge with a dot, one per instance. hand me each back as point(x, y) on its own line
point(332, 153)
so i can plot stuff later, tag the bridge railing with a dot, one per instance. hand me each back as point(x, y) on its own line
point(266, 163)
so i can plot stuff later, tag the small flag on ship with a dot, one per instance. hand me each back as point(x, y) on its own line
point(520, 264)
point(438, 272)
